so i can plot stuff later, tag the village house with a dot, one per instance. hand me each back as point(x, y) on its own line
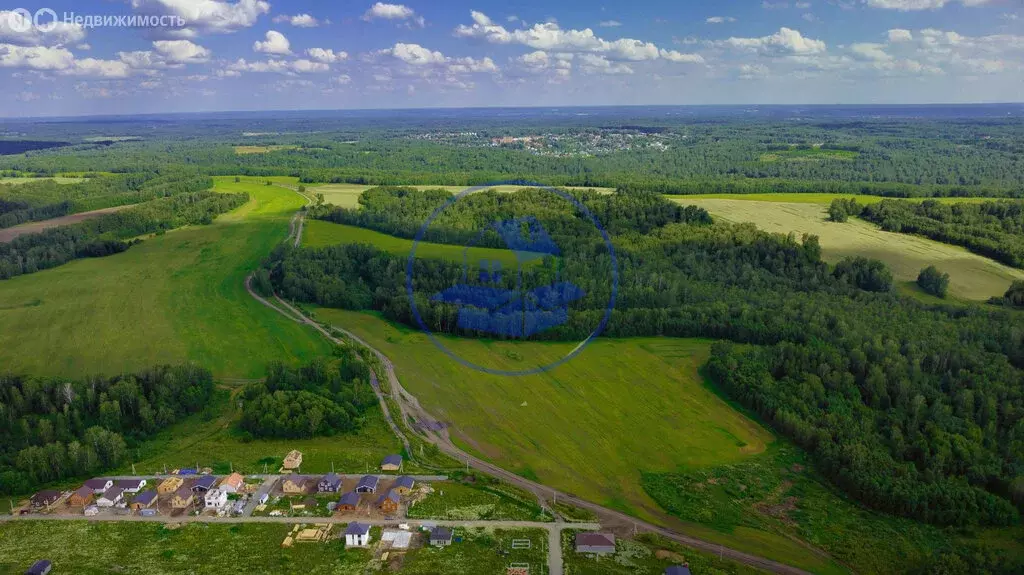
point(391, 463)
point(348, 502)
point(368, 484)
point(293, 460)
point(131, 485)
point(440, 537)
point(110, 497)
point(389, 502)
point(81, 497)
point(91, 511)
point(183, 497)
point(144, 500)
point(232, 483)
point(331, 483)
point(357, 535)
point(170, 485)
point(204, 484)
point(98, 486)
point(683, 569)
point(297, 484)
point(216, 499)
point(403, 485)
point(595, 543)
point(45, 498)
point(41, 567)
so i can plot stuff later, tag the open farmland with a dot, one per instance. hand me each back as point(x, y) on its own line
point(176, 297)
point(57, 179)
point(971, 276)
point(94, 548)
point(8, 234)
point(825, 199)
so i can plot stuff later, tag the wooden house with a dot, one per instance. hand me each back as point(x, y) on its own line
point(389, 502)
point(81, 497)
point(170, 485)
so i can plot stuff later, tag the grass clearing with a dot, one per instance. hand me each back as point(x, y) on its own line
point(648, 555)
point(57, 179)
point(176, 297)
point(826, 199)
point(456, 501)
point(480, 551)
point(971, 276)
point(243, 150)
point(106, 547)
point(808, 155)
point(318, 233)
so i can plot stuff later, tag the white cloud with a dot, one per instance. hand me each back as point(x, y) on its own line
point(342, 79)
point(785, 41)
point(327, 56)
point(206, 16)
point(913, 5)
point(610, 24)
point(870, 51)
point(279, 66)
point(35, 57)
point(298, 20)
point(720, 19)
point(549, 36)
point(181, 51)
point(753, 71)
point(414, 54)
point(900, 35)
point(472, 65)
point(679, 57)
point(98, 68)
point(382, 11)
point(597, 64)
point(275, 43)
point(15, 28)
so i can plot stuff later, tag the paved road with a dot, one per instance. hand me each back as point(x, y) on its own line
point(254, 500)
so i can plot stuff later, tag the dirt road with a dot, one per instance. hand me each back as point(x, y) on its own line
point(8, 234)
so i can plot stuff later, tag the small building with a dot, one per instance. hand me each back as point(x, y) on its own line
point(404, 484)
point(297, 484)
point(216, 499)
point(148, 512)
point(391, 463)
point(238, 507)
point(440, 537)
point(81, 497)
point(232, 483)
point(45, 498)
point(293, 460)
point(98, 485)
point(348, 502)
point(110, 497)
point(204, 484)
point(389, 502)
point(367, 484)
point(595, 543)
point(263, 499)
point(683, 569)
point(331, 483)
point(41, 567)
point(91, 511)
point(170, 485)
point(144, 500)
point(357, 535)
point(183, 498)
point(131, 485)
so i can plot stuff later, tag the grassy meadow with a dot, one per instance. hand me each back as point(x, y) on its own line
point(971, 276)
point(825, 199)
point(95, 548)
point(173, 298)
point(478, 552)
point(57, 179)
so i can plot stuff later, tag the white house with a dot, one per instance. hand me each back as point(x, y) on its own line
point(357, 535)
point(216, 499)
point(110, 497)
point(131, 485)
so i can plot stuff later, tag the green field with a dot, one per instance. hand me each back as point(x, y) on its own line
point(58, 179)
point(645, 556)
point(808, 155)
point(212, 439)
point(971, 276)
point(799, 198)
point(480, 551)
point(94, 548)
point(347, 195)
point(173, 298)
point(318, 233)
point(455, 501)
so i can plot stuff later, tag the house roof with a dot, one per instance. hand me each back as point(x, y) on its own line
point(405, 481)
point(97, 483)
point(368, 481)
point(83, 491)
point(677, 570)
point(392, 495)
point(39, 567)
point(205, 482)
point(357, 529)
point(129, 483)
point(146, 497)
point(595, 539)
point(184, 492)
point(300, 480)
point(392, 460)
point(440, 533)
point(46, 496)
point(331, 479)
point(234, 480)
point(113, 493)
point(350, 498)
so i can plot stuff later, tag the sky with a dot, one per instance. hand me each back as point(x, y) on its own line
point(153, 56)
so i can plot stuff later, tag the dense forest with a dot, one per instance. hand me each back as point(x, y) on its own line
point(912, 409)
point(57, 428)
point(109, 234)
point(325, 397)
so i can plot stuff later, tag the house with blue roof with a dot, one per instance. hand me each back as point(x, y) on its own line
point(368, 484)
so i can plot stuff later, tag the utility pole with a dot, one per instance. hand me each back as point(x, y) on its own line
point(231, 466)
point(133, 469)
point(332, 467)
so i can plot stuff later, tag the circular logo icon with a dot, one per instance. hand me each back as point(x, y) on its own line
point(19, 20)
point(45, 24)
point(518, 290)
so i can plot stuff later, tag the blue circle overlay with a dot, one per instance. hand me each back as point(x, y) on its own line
point(576, 350)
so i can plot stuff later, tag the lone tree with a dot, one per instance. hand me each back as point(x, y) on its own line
point(1015, 295)
point(933, 281)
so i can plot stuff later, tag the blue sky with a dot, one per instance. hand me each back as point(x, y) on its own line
point(208, 55)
